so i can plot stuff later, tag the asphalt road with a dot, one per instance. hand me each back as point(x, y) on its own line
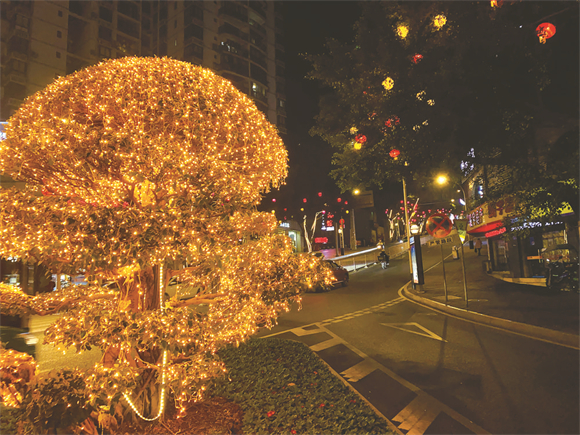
point(430, 373)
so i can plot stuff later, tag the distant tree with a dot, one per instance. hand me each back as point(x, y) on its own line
point(141, 171)
point(450, 82)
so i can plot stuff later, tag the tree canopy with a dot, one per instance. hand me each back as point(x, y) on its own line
point(139, 171)
point(446, 83)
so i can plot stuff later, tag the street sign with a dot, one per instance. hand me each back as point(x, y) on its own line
point(363, 200)
point(439, 225)
point(461, 225)
point(442, 241)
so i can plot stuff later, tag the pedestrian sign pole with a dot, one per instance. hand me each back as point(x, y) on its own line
point(461, 225)
point(439, 226)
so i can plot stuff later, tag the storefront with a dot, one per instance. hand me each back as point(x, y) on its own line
point(292, 230)
point(520, 256)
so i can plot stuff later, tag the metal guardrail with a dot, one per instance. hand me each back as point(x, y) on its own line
point(358, 260)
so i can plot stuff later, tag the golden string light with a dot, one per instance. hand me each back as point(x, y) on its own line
point(388, 83)
point(138, 162)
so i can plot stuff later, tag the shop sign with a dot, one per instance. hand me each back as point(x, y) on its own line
point(322, 240)
point(495, 233)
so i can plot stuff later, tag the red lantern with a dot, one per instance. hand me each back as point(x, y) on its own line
point(394, 154)
point(360, 138)
point(319, 193)
point(545, 31)
point(304, 200)
point(338, 199)
point(388, 123)
point(417, 58)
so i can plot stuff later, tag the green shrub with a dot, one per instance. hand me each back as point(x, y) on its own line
point(283, 387)
point(57, 400)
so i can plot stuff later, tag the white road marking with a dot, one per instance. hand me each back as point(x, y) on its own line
point(360, 370)
point(427, 333)
point(418, 415)
point(325, 344)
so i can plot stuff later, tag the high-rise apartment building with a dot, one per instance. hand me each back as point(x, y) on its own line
point(240, 40)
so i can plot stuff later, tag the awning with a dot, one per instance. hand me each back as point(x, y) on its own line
point(482, 229)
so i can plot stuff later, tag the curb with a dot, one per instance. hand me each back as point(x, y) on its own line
point(530, 331)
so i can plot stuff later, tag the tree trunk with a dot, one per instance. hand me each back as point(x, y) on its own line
point(142, 290)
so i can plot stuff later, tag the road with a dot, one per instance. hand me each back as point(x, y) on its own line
point(431, 373)
point(426, 372)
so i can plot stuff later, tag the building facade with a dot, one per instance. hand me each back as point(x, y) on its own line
point(239, 40)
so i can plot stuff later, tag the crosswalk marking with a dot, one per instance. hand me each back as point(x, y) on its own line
point(325, 344)
point(360, 370)
point(418, 415)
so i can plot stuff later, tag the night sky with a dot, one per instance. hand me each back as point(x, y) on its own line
point(307, 25)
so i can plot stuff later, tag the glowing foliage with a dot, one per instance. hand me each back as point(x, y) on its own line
point(150, 169)
point(353, 130)
point(17, 369)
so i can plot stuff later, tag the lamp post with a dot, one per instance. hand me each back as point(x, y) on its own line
point(442, 180)
point(407, 228)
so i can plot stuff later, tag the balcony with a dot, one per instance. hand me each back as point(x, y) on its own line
point(14, 103)
point(19, 32)
point(18, 56)
point(228, 47)
point(231, 30)
point(234, 10)
point(235, 68)
point(14, 77)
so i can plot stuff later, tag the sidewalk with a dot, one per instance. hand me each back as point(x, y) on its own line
point(526, 309)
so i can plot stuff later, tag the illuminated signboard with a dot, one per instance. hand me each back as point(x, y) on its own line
point(322, 240)
point(285, 224)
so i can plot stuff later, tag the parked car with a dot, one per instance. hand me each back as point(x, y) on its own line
point(18, 339)
point(339, 272)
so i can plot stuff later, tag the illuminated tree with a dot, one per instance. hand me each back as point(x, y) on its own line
point(140, 171)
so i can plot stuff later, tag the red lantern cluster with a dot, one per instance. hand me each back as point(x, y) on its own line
point(545, 31)
point(417, 58)
point(394, 153)
point(360, 138)
point(391, 122)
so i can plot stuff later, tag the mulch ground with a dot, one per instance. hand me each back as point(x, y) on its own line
point(213, 416)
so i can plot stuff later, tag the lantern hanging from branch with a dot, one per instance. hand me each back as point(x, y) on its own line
point(496, 3)
point(402, 31)
point(417, 58)
point(431, 102)
point(360, 138)
point(395, 153)
point(388, 83)
point(439, 21)
point(545, 31)
point(357, 145)
point(421, 95)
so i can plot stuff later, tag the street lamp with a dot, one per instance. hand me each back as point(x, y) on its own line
point(443, 180)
